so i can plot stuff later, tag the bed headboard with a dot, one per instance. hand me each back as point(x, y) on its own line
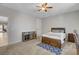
point(58, 30)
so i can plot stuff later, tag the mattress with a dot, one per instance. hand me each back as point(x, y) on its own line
point(58, 36)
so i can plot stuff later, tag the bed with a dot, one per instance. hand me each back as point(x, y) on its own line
point(54, 38)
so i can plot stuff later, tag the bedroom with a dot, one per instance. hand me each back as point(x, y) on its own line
point(26, 18)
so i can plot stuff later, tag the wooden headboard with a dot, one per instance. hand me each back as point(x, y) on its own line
point(58, 29)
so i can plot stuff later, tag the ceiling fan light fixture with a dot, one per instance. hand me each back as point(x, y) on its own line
point(44, 7)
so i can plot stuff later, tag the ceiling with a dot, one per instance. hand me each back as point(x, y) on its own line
point(31, 9)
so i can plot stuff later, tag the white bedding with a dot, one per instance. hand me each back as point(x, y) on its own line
point(59, 36)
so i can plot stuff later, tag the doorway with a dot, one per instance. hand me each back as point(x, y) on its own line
point(3, 31)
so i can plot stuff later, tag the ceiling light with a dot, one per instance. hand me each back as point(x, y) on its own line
point(44, 7)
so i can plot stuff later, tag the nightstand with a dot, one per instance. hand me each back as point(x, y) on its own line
point(71, 37)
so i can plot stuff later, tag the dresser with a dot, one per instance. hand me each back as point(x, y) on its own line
point(71, 37)
point(29, 35)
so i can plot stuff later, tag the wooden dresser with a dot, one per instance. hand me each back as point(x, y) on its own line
point(29, 35)
point(71, 37)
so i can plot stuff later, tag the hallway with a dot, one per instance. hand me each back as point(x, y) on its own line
point(3, 39)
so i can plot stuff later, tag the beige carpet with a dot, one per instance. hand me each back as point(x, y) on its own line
point(31, 48)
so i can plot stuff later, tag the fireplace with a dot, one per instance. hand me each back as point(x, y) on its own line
point(28, 35)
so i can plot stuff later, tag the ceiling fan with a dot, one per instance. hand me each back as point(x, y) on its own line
point(44, 7)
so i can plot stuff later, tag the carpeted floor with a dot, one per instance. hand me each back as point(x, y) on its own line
point(31, 48)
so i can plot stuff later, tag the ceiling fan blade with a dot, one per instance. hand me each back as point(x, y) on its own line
point(37, 6)
point(39, 10)
point(45, 10)
point(45, 4)
point(49, 7)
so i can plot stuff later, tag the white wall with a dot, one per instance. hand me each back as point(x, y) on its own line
point(21, 23)
point(68, 20)
point(18, 23)
point(38, 26)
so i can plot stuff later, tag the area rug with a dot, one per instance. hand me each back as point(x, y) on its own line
point(50, 48)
